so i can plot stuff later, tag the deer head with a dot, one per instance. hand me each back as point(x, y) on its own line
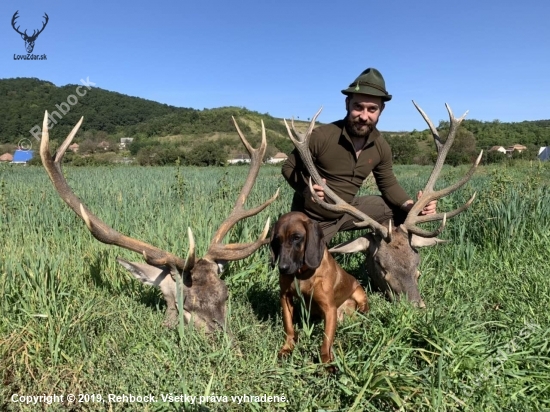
point(29, 40)
point(205, 294)
point(392, 257)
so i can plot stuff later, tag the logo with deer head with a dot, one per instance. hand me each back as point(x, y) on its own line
point(29, 40)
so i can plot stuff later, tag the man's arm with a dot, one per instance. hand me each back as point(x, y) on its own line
point(387, 182)
point(391, 189)
point(292, 172)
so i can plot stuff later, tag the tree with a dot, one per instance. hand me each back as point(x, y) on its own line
point(495, 157)
point(88, 146)
point(270, 151)
point(149, 156)
point(464, 148)
point(207, 154)
point(404, 148)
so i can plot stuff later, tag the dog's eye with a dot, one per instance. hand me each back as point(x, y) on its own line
point(297, 237)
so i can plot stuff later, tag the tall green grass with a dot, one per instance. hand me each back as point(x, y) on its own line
point(73, 321)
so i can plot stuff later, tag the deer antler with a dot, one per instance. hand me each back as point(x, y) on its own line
point(302, 145)
point(13, 19)
point(35, 34)
point(237, 251)
point(96, 226)
point(429, 194)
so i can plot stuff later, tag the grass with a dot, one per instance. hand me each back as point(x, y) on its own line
point(72, 321)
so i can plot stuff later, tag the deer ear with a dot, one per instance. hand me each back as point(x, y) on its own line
point(150, 275)
point(154, 276)
point(361, 244)
point(315, 245)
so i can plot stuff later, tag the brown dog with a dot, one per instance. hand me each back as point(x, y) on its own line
point(304, 262)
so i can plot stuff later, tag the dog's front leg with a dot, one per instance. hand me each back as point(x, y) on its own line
point(288, 311)
point(330, 311)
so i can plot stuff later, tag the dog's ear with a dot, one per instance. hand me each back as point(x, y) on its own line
point(274, 245)
point(315, 246)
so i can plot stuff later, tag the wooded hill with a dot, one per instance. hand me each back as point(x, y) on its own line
point(110, 115)
point(164, 130)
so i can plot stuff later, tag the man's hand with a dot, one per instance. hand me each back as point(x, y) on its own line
point(319, 191)
point(429, 209)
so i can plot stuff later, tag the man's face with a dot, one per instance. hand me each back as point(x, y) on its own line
point(363, 113)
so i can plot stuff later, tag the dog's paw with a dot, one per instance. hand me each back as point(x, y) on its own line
point(283, 353)
point(327, 359)
point(326, 369)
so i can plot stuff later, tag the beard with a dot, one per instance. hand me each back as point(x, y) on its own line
point(358, 127)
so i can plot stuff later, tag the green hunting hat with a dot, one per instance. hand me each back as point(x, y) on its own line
point(369, 82)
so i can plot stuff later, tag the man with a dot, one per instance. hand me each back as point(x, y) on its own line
point(345, 153)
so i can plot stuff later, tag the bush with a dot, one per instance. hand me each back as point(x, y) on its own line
point(495, 157)
point(207, 154)
point(404, 148)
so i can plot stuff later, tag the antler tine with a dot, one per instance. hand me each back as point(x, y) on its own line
point(302, 145)
point(219, 251)
point(13, 19)
point(43, 25)
point(451, 116)
point(442, 150)
point(439, 216)
point(428, 194)
point(415, 230)
point(302, 137)
point(96, 226)
point(435, 133)
point(191, 254)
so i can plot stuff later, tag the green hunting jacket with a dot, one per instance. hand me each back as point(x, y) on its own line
point(334, 155)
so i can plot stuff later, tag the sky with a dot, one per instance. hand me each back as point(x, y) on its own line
point(289, 58)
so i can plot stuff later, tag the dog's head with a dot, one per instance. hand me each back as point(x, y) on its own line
point(296, 243)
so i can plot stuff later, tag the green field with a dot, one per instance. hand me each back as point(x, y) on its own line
point(72, 321)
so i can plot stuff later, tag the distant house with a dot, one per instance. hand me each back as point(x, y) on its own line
point(103, 145)
point(500, 149)
point(6, 157)
point(74, 147)
point(125, 141)
point(544, 153)
point(278, 158)
point(240, 158)
point(517, 147)
point(22, 156)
